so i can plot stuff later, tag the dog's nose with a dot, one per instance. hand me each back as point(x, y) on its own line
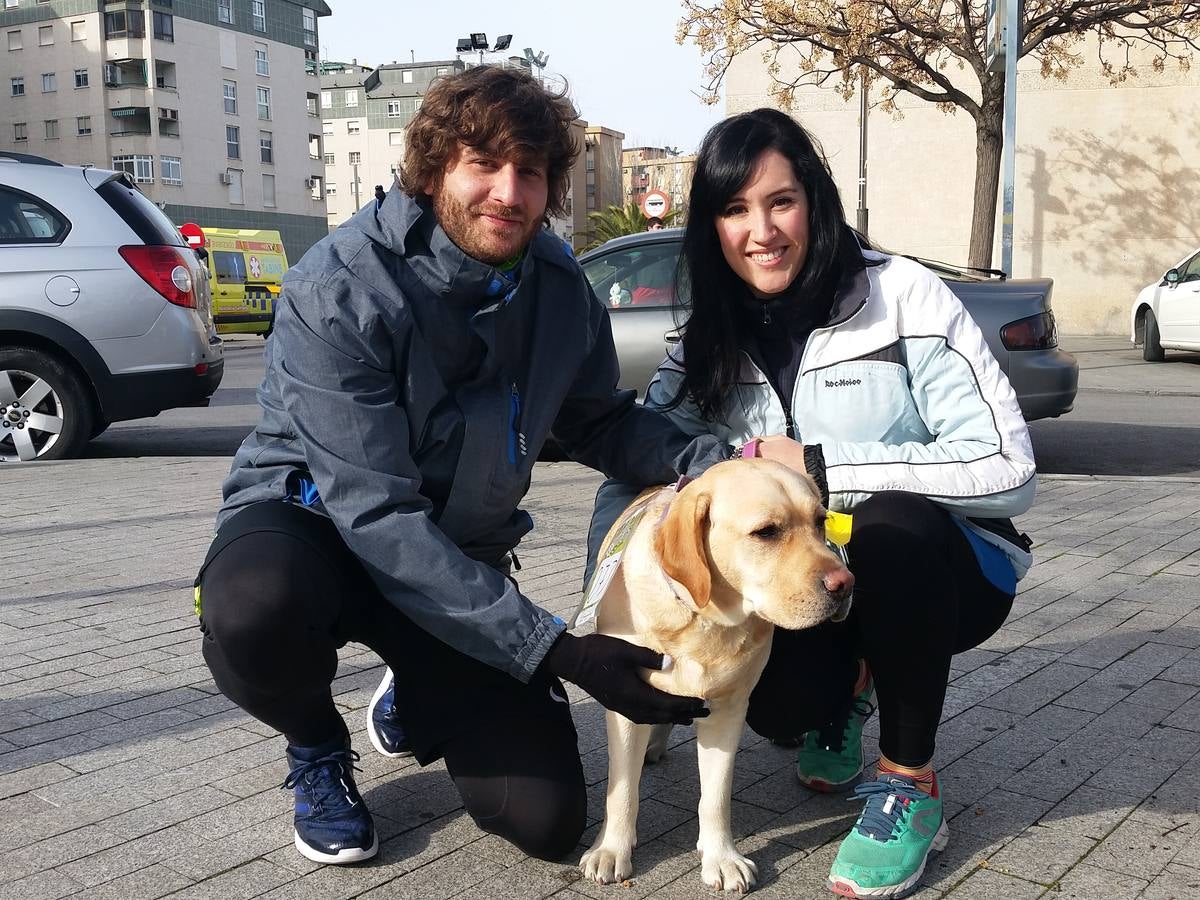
point(839, 582)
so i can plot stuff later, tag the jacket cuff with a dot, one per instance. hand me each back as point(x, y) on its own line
point(814, 462)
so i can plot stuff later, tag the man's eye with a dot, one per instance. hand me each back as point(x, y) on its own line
point(766, 533)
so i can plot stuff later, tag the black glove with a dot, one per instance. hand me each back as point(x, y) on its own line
point(607, 668)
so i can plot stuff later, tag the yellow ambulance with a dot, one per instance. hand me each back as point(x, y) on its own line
point(245, 268)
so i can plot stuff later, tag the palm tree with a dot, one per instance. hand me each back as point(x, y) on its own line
point(617, 220)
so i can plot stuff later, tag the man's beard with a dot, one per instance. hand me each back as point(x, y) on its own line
point(471, 234)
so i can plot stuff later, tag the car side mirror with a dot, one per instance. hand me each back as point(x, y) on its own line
point(1172, 276)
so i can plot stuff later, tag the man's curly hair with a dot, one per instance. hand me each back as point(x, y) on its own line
point(491, 106)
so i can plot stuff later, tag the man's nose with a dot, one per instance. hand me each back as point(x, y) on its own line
point(506, 186)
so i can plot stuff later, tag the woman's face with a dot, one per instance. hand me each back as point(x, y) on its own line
point(764, 227)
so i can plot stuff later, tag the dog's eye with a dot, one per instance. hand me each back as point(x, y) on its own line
point(766, 533)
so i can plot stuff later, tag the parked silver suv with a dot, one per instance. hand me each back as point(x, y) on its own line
point(105, 312)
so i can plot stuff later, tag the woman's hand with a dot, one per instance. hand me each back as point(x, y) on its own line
point(784, 450)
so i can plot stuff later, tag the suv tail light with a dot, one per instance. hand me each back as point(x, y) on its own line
point(163, 268)
point(1033, 333)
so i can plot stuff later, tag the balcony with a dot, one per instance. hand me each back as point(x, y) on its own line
point(127, 120)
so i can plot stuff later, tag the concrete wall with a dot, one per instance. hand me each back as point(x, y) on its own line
point(1107, 178)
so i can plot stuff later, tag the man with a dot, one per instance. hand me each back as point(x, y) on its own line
point(421, 355)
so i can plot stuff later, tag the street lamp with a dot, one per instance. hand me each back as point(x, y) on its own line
point(536, 61)
point(478, 41)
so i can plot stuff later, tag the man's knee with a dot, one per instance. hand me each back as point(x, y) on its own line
point(542, 819)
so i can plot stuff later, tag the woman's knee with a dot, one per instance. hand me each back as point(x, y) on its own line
point(896, 525)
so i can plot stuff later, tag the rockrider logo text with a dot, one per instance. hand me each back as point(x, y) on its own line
point(843, 382)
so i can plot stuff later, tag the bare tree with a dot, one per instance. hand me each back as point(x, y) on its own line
point(915, 46)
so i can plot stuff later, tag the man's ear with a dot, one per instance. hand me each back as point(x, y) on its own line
point(679, 544)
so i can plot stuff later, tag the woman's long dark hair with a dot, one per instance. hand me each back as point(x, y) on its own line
point(724, 164)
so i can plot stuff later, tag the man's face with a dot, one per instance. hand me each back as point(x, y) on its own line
point(490, 206)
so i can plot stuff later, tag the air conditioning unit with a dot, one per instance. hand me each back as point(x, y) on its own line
point(226, 178)
point(168, 115)
point(310, 182)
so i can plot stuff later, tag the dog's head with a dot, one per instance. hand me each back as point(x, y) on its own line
point(748, 539)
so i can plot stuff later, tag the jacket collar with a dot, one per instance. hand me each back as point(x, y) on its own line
point(407, 227)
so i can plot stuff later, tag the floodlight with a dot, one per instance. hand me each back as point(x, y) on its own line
point(503, 42)
point(464, 44)
point(478, 40)
point(529, 53)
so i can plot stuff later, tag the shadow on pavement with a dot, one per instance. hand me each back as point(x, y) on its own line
point(167, 440)
point(1113, 448)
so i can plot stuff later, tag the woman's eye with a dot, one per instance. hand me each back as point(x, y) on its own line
point(766, 533)
point(783, 201)
point(733, 210)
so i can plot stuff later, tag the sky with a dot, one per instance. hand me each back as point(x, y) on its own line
point(619, 57)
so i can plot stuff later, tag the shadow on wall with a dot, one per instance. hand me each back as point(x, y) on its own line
point(1141, 194)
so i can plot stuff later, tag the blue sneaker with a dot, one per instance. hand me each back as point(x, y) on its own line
point(332, 822)
point(383, 726)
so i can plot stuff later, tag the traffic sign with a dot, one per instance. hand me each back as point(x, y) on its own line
point(192, 233)
point(656, 204)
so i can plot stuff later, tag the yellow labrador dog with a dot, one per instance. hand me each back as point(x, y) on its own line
point(706, 575)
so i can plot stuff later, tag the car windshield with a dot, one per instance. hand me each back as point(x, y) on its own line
point(638, 276)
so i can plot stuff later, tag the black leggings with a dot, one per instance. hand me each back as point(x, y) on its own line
point(919, 598)
point(280, 593)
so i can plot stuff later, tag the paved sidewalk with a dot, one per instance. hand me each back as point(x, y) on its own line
point(1069, 759)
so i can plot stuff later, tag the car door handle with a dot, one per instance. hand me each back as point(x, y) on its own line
point(672, 337)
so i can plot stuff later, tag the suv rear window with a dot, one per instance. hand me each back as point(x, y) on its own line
point(230, 266)
point(24, 220)
point(139, 212)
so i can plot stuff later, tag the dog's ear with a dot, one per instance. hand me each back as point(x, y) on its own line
point(679, 543)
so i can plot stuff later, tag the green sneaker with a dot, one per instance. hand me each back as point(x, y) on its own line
point(831, 758)
point(885, 852)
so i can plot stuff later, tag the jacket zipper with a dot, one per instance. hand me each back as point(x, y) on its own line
point(516, 440)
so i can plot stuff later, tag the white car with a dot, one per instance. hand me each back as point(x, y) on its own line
point(1166, 314)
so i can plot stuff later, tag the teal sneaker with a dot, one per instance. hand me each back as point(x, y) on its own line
point(885, 852)
point(830, 759)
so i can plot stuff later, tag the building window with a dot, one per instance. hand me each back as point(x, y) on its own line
point(266, 147)
point(225, 11)
point(327, 129)
point(49, 82)
point(78, 31)
point(310, 28)
point(331, 189)
point(164, 27)
point(258, 15)
point(164, 74)
point(326, 99)
point(406, 76)
point(124, 23)
point(141, 168)
point(268, 190)
point(11, 4)
point(443, 70)
point(83, 124)
point(352, 127)
point(310, 61)
point(20, 131)
point(233, 142)
point(45, 35)
point(171, 168)
point(317, 183)
point(51, 129)
point(327, 159)
point(81, 78)
point(230, 91)
point(262, 65)
point(17, 86)
point(235, 186)
point(262, 96)
point(14, 40)
point(396, 138)
point(355, 158)
point(393, 109)
point(352, 98)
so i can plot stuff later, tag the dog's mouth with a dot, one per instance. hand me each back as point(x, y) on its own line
point(843, 609)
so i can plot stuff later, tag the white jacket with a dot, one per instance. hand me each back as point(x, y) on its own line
point(901, 392)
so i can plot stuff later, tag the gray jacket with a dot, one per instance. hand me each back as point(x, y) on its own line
point(416, 386)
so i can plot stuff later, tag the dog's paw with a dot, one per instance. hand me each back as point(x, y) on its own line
point(728, 870)
point(656, 749)
point(607, 865)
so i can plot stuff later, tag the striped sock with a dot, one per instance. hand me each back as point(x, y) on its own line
point(926, 781)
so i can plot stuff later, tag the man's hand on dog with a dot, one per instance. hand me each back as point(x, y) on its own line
point(607, 668)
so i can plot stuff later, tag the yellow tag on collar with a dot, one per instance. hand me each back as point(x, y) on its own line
point(196, 600)
point(837, 527)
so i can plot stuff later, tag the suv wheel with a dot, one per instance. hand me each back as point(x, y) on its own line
point(44, 408)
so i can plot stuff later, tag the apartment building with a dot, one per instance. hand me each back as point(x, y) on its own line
point(645, 169)
point(212, 107)
point(602, 160)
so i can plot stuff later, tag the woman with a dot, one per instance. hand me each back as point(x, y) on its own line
point(865, 371)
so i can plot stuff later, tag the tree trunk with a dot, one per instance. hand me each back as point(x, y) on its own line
point(989, 143)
